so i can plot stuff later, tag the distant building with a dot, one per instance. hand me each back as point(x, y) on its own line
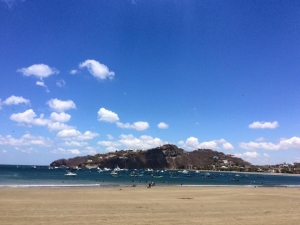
point(188, 167)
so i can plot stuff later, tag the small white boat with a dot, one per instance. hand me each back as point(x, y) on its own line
point(113, 173)
point(157, 176)
point(70, 174)
point(185, 172)
point(106, 169)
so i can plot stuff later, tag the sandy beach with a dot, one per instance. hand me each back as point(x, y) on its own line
point(156, 205)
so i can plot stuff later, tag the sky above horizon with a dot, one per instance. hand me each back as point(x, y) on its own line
point(87, 77)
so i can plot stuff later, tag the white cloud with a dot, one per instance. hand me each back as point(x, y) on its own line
point(4, 151)
point(58, 126)
point(60, 83)
point(60, 117)
point(111, 149)
point(85, 151)
point(41, 83)
point(139, 126)
point(28, 150)
point(89, 150)
point(75, 143)
point(29, 117)
point(74, 151)
point(16, 100)
point(73, 72)
point(247, 155)
point(61, 106)
point(264, 125)
point(109, 137)
point(97, 69)
point(144, 142)
point(107, 115)
point(38, 70)
point(193, 143)
point(227, 146)
point(25, 140)
point(163, 125)
point(72, 134)
point(112, 117)
point(284, 144)
point(108, 143)
point(11, 3)
point(131, 142)
point(261, 139)
point(65, 151)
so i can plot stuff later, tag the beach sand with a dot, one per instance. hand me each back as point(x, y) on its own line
point(156, 205)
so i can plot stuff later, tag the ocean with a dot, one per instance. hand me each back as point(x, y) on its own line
point(43, 176)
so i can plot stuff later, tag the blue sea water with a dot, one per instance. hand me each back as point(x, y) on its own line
point(39, 176)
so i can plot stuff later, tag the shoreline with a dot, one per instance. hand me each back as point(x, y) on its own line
point(97, 186)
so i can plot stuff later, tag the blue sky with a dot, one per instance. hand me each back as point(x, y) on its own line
point(86, 77)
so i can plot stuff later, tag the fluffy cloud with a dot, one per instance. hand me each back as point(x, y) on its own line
point(60, 117)
point(284, 144)
point(111, 117)
point(111, 149)
point(107, 116)
point(15, 100)
point(193, 143)
point(163, 125)
point(132, 142)
point(73, 72)
point(41, 83)
point(139, 126)
point(264, 125)
point(89, 150)
point(65, 151)
point(75, 143)
point(144, 142)
point(109, 137)
point(247, 155)
point(72, 134)
point(74, 151)
point(61, 106)
point(60, 83)
point(58, 126)
point(38, 70)
point(108, 143)
point(85, 151)
point(25, 140)
point(11, 3)
point(97, 69)
point(29, 117)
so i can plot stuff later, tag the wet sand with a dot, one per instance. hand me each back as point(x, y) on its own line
point(156, 205)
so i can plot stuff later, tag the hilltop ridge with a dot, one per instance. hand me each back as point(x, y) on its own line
point(164, 157)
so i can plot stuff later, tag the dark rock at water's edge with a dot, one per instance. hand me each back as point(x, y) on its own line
point(163, 157)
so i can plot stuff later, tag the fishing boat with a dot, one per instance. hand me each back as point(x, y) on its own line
point(70, 174)
point(157, 176)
